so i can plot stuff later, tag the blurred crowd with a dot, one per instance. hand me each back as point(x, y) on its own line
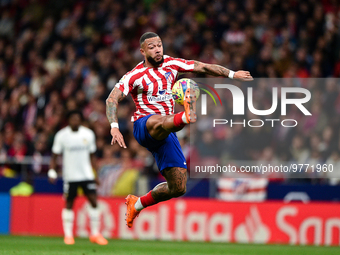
point(56, 56)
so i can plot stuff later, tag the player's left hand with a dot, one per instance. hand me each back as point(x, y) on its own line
point(243, 76)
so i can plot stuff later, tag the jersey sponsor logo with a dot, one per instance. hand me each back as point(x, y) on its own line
point(77, 148)
point(91, 186)
point(159, 98)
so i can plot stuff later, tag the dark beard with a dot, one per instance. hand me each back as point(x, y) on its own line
point(154, 62)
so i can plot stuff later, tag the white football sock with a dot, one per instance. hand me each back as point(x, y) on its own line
point(184, 119)
point(67, 217)
point(138, 205)
point(94, 220)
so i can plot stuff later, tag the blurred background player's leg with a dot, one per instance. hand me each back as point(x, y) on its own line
point(94, 214)
point(67, 214)
point(94, 220)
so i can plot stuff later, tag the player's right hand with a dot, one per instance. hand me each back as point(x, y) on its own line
point(117, 137)
point(52, 176)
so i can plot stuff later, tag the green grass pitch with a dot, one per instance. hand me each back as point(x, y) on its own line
point(23, 245)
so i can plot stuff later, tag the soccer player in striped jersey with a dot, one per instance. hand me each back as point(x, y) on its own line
point(150, 85)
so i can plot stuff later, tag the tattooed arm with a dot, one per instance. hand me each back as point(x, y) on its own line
point(217, 70)
point(111, 113)
point(112, 103)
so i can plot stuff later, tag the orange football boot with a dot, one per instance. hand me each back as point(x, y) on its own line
point(98, 239)
point(68, 240)
point(190, 105)
point(131, 212)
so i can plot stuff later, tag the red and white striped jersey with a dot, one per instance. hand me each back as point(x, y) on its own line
point(151, 88)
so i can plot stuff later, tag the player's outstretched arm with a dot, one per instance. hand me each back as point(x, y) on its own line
point(217, 70)
point(111, 113)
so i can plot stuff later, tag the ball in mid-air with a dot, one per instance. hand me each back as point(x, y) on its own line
point(180, 87)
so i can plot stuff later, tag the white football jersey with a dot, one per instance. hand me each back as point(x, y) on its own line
point(76, 148)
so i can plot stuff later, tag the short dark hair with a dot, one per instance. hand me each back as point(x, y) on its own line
point(147, 35)
point(75, 112)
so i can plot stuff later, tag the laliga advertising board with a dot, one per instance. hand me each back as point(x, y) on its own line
point(189, 219)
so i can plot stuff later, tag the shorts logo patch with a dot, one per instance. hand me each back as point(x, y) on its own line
point(91, 186)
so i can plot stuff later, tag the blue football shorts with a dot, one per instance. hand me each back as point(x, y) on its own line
point(167, 152)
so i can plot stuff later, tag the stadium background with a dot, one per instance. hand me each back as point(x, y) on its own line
point(56, 56)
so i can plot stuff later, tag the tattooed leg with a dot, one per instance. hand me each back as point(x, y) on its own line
point(175, 185)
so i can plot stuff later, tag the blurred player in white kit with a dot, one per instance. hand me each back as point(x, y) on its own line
point(77, 144)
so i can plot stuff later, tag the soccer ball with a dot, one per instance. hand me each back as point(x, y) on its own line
point(179, 88)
